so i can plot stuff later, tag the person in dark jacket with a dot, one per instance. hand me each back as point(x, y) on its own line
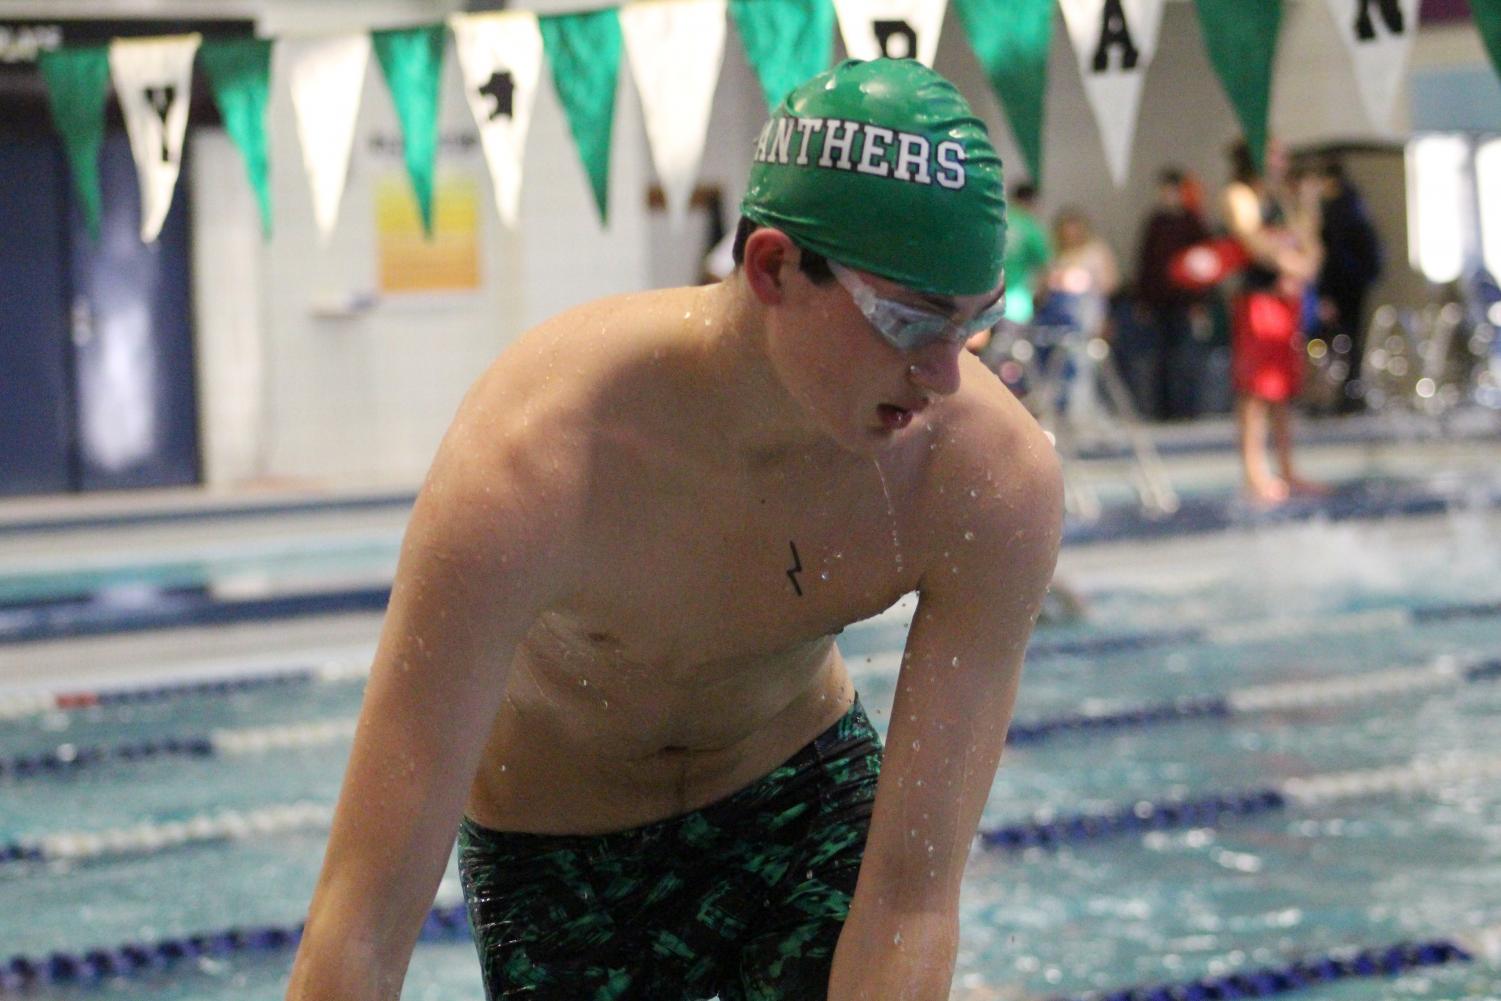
point(1170, 367)
point(1352, 263)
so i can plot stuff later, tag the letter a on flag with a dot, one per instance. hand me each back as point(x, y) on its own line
point(895, 29)
point(1379, 35)
point(154, 80)
point(500, 55)
point(1114, 42)
point(675, 49)
point(327, 78)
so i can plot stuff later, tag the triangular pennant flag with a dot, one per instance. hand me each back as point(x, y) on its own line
point(584, 50)
point(675, 48)
point(786, 41)
point(1487, 15)
point(895, 29)
point(154, 82)
point(1379, 35)
point(78, 86)
point(1011, 39)
point(239, 70)
point(327, 77)
point(411, 59)
point(500, 56)
point(1241, 36)
point(1114, 42)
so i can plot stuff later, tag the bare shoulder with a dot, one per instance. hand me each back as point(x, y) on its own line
point(995, 481)
point(513, 464)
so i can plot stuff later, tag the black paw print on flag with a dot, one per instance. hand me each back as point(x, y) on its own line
point(501, 87)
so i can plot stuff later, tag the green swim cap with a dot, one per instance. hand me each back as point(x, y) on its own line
point(882, 166)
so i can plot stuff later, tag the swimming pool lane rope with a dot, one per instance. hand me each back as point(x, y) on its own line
point(1045, 831)
point(449, 923)
point(23, 705)
point(1262, 630)
point(100, 966)
point(1444, 672)
point(1051, 831)
point(19, 706)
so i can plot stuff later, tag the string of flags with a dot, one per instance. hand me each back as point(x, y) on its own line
point(674, 49)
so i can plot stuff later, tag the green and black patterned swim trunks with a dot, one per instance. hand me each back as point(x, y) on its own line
point(743, 898)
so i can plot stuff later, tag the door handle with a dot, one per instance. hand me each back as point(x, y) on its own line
point(83, 322)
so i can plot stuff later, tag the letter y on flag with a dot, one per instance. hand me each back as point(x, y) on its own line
point(154, 81)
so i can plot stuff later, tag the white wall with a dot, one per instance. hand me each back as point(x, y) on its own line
point(339, 383)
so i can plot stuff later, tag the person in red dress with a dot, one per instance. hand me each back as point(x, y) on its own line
point(1277, 227)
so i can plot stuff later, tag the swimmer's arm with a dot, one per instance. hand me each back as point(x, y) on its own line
point(479, 559)
point(948, 726)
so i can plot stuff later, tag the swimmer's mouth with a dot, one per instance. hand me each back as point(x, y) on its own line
point(894, 417)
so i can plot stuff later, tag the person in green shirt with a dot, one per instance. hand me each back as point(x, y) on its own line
point(1027, 255)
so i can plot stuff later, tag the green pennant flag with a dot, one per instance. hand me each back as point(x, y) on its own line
point(1011, 38)
point(786, 41)
point(1488, 21)
point(78, 85)
point(1241, 36)
point(584, 52)
point(239, 70)
point(411, 59)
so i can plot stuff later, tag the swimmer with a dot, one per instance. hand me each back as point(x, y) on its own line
point(609, 660)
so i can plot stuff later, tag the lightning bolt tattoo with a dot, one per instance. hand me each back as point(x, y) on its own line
point(796, 569)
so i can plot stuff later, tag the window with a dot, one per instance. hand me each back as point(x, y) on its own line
point(1438, 183)
point(1488, 190)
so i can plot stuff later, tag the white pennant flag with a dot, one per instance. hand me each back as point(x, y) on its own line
point(500, 56)
point(153, 78)
point(675, 49)
point(327, 78)
point(1379, 35)
point(897, 29)
point(1114, 41)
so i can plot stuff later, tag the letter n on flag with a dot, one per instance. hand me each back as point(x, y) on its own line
point(1378, 34)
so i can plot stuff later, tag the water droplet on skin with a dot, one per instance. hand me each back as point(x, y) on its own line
point(916, 745)
point(954, 662)
point(897, 939)
point(824, 575)
point(969, 536)
point(974, 493)
point(584, 682)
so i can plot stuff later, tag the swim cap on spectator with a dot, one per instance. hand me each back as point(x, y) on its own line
point(882, 166)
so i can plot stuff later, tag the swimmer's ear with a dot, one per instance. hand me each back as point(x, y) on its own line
point(769, 261)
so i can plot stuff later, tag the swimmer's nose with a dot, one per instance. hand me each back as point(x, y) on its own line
point(935, 368)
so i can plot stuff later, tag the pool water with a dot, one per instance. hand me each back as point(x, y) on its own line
point(1111, 913)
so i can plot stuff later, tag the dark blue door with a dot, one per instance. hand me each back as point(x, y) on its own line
point(136, 414)
point(36, 396)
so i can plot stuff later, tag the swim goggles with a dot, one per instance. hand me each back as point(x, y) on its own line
point(906, 327)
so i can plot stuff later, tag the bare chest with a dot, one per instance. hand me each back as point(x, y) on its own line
point(713, 574)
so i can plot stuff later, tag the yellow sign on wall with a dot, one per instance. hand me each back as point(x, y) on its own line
point(408, 261)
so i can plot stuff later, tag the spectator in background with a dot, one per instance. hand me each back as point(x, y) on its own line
point(1027, 254)
point(1279, 233)
point(1084, 269)
point(1171, 357)
point(1080, 281)
point(1025, 260)
point(1352, 264)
